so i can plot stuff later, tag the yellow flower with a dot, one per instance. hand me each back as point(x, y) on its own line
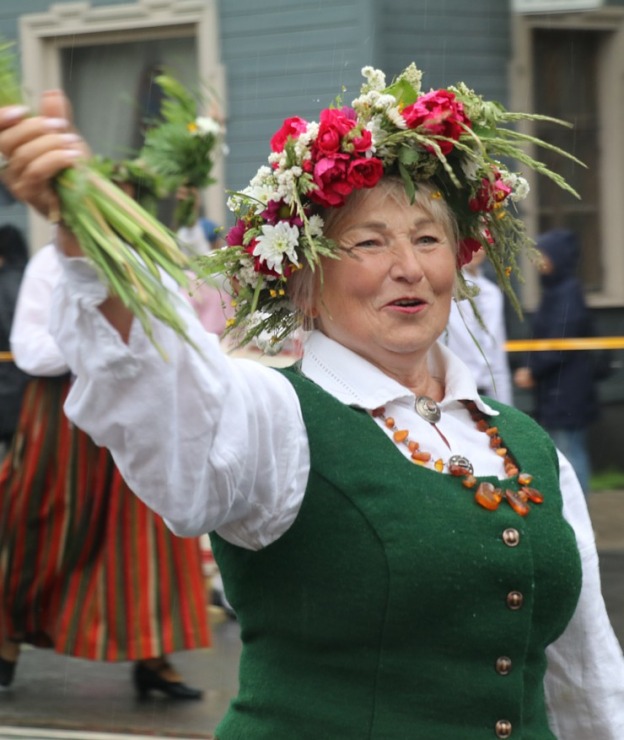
point(229, 323)
point(191, 127)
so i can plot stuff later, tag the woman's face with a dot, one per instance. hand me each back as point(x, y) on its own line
point(388, 297)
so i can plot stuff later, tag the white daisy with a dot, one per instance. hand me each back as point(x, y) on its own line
point(275, 242)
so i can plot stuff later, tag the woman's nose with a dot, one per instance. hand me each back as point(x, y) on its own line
point(406, 262)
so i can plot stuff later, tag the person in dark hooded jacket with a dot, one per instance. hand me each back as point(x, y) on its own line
point(563, 380)
point(13, 259)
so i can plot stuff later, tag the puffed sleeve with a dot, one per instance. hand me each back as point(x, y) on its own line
point(585, 676)
point(208, 442)
point(34, 349)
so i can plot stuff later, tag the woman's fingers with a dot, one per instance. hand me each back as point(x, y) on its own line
point(36, 148)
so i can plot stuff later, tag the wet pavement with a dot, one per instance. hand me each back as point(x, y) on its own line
point(58, 698)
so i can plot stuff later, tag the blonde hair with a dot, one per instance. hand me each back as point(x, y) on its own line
point(303, 284)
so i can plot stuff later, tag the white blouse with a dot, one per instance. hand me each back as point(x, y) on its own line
point(240, 461)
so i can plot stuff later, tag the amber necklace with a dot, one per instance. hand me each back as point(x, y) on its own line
point(487, 495)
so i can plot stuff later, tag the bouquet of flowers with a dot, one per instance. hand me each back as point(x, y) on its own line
point(127, 245)
point(451, 138)
point(180, 148)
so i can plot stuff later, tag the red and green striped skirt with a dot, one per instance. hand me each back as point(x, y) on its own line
point(85, 566)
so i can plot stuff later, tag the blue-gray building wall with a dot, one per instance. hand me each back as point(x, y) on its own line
point(285, 57)
point(449, 40)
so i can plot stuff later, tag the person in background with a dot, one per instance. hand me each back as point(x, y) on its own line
point(563, 382)
point(203, 235)
point(479, 338)
point(13, 259)
point(478, 612)
point(85, 567)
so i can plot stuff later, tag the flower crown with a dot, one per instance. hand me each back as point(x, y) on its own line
point(451, 138)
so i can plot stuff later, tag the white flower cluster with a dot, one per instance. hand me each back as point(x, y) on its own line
point(375, 79)
point(519, 186)
point(207, 126)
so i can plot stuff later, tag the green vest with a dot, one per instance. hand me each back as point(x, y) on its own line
point(383, 612)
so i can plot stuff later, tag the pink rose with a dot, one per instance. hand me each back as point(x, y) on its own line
point(365, 172)
point(439, 113)
point(291, 128)
point(330, 177)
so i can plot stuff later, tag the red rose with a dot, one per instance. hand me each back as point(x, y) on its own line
point(365, 172)
point(363, 142)
point(439, 113)
point(331, 178)
point(334, 125)
point(466, 248)
point(291, 128)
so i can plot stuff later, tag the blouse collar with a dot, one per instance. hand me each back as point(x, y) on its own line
point(356, 382)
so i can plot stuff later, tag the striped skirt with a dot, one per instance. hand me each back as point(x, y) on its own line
point(85, 566)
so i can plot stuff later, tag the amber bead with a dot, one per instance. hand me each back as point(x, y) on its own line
point(439, 465)
point(495, 442)
point(469, 481)
point(491, 431)
point(400, 435)
point(419, 456)
point(501, 451)
point(412, 446)
point(482, 425)
point(524, 479)
point(511, 471)
point(389, 422)
point(378, 412)
point(533, 494)
point(488, 496)
point(516, 502)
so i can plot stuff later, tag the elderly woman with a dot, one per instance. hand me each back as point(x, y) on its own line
point(406, 558)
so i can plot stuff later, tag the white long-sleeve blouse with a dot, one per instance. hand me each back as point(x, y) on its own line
point(214, 443)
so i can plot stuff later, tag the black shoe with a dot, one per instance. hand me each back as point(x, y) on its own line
point(149, 679)
point(7, 671)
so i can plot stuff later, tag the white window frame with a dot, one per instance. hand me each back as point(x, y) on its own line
point(610, 95)
point(43, 36)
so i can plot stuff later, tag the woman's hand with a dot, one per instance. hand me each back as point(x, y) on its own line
point(36, 149)
point(523, 378)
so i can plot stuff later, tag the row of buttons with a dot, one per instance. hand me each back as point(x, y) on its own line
point(514, 601)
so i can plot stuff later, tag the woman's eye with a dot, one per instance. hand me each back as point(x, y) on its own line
point(427, 239)
point(368, 243)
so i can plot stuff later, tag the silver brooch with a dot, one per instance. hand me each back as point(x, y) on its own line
point(461, 462)
point(428, 409)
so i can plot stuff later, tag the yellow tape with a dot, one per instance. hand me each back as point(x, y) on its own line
point(519, 345)
point(541, 345)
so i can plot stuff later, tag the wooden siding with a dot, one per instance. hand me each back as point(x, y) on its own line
point(449, 40)
point(285, 58)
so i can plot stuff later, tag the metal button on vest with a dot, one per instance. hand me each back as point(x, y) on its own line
point(514, 600)
point(511, 537)
point(503, 665)
point(503, 728)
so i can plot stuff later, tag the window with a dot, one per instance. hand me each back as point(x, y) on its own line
point(566, 86)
